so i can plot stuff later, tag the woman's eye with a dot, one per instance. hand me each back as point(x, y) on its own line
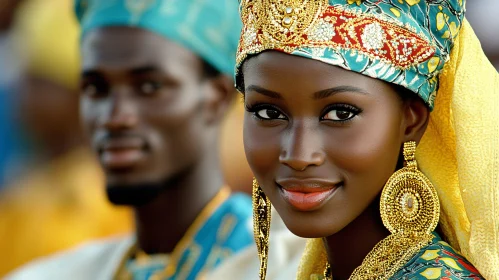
point(269, 114)
point(339, 115)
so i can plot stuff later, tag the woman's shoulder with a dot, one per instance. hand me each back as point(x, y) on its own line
point(438, 260)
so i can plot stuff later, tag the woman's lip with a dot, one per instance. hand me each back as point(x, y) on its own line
point(307, 199)
point(306, 185)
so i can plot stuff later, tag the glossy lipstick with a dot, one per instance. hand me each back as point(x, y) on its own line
point(306, 195)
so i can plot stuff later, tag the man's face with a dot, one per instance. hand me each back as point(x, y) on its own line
point(142, 105)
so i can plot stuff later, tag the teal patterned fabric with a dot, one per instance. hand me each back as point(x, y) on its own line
point(404, 42)
point(226, 232)
point(209, 28)
point(438, 261)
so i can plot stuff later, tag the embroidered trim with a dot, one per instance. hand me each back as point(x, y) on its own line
point(288, 25)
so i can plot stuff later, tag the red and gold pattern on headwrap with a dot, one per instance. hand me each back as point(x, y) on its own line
point(398, 41)
point(334, 27)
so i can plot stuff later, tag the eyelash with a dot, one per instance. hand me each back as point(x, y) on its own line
point(253, 109)
point(340, 107)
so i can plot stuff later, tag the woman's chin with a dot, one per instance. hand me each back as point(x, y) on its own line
point(310, 230)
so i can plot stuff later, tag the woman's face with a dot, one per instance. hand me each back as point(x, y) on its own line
point(322, 141)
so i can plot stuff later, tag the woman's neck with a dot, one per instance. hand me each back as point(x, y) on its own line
point(347, 249)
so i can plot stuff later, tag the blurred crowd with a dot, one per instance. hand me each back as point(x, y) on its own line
point(51, 186)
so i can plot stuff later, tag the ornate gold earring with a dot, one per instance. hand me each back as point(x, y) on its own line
point(261, 225)
point(409, 202)
point(410, 210)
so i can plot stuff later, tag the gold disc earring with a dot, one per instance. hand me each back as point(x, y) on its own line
point(261, 225)
point(410, 210)
point(409, 202)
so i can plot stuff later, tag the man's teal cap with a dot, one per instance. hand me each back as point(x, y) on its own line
point(209, 28)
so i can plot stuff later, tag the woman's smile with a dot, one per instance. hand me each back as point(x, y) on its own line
point(306, 194)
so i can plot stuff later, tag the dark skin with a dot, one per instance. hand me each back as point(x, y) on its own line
point(153, 117)
point(320, 126)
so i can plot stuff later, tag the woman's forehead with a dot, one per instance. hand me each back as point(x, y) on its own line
point(280, 70)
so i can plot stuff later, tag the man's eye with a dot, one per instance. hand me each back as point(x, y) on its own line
point(93, 90)
point(269, 114)
point(339, 115)
point(150, 87)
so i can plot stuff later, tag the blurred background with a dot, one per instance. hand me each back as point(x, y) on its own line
point(51, 187)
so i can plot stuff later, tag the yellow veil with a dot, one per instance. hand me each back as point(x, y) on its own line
point(460, 154)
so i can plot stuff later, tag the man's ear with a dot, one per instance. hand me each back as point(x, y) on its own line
point(220, 94)
point(416, 118)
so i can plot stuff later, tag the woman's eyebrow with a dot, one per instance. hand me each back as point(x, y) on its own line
point(335, 90)
point(266, 92)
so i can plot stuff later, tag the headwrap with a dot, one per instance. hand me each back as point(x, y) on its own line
point(394, 41)
point(209, 28)
point(429, 48)
point(46, 33)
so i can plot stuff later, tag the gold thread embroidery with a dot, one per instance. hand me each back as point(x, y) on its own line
point(171, 268)
point(222, 195)
point(291, 25)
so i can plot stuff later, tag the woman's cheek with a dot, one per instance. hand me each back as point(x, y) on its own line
point(262, 148)
point(368, 153)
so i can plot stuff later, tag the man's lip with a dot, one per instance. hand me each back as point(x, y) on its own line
point(121, 158)
point(120, 153)
point(124, 143)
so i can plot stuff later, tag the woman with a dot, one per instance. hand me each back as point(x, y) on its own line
point(338, 94)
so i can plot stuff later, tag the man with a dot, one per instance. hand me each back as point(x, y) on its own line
point(156, 83)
